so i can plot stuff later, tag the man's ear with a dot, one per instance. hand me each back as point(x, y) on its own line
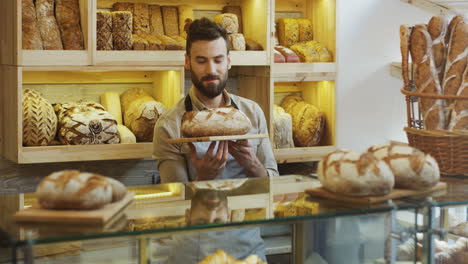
point(187, 216)
point(229, 61)
point(187, 62)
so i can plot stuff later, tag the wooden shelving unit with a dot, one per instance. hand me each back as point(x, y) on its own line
point(440, 7)
point(68, 75)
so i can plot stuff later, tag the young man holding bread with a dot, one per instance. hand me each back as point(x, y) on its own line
point(207, 58)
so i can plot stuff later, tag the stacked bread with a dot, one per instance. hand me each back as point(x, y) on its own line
point(51, 25)
point(439, 52)
point(307, 121)
point(71, 189)
point(377, 171)
point(221, 257)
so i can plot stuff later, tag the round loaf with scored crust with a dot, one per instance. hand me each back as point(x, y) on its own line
point(355, 174)
point(72, 189)
point(412, 168)
point(222, 121)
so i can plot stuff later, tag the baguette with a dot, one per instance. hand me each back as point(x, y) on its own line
point(437, 28)
point(31, 34)
point(405, 33)
point(49, 29)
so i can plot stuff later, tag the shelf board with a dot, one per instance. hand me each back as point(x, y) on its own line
point(55, 57)
point(172, 57)
point(301, 154)
point(395, 70)
point(295, 72)
point(65, 153)
point(440, 7)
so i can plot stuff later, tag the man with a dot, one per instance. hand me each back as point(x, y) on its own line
point(207, 58)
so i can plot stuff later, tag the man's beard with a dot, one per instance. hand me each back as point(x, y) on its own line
point(212, 89)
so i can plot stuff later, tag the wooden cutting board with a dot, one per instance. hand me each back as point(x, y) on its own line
point(394, 194)
point(101, 216)
point(215, 138)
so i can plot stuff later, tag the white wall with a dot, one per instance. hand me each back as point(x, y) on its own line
point(370, 107)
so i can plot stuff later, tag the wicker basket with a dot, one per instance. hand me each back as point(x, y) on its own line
point(449, 148)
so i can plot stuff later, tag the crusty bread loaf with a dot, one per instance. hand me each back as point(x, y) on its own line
point(185, 19)
point(288, 32)
point(405, 33)
point(31, 34)
point(85, 123)
point(278, 57)
point(282, 126)
point(111, 103)
point(67, 13)
point(306, 52)
point(123, 6)
point(288, 54)
point(355, 174)
point(236, 10)
point(50, 33)
point(180, 40)
point(221, 121)
point(228, 21)
point(170, 20)
point(154, 42)
point(139, 43)
point(140, 112)
point(156, 20)
point(169, 43)
point(104, 30)
point(236, 42)
point(323, 53)
point(122, 25)
point(412, 168)
point(141, 18)
point(39, 120)
point(251, 44)
point(426, 78)
point(305, 29)
point(437, 28)
point(71, 189)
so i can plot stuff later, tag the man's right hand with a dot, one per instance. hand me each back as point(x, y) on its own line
point(209, 166)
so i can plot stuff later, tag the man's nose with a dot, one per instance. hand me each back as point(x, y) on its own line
point(211, 68)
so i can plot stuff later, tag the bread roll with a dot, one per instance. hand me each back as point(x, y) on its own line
point(71, 189)
point(185, 19)
point(236, 10)
point(355, 174)
point(39, 120)
point(170, 20)
point(104, 30)
point(236, 42)
point(412, 168)
point(50, 33)
point(228, 21)
point(140, 112)
point(460, 229)
point(223, 121)
point(31, 34)
point(67, 13)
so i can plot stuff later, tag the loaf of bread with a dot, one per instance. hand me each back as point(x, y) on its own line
point(122, 25)
point(288, 32)
point(104, 30)
point(306, 52)
point(278, 57)
point(412, 168)
point(288, 54)
point(185, 19)
point(437, 28)
point(236, 10)
point(126, 135)
point(140, 112)
point(111, 103)
point(154, 42)
point(50, 33)
point(141, 18)
point(72, 189)
point(456, 58)
point(289, 101)
point(221, 257)
point(170, 20)
point(324, 54)
point(405, 33)
point(228, 21)
point(39, 119)
point(355, 174)
point(85, 123)
point(251, 44)
point(123, 6)
point(282, 126)
point(67, 13)
point(305, 29)
point(426, 79)
point(170, 43)
point(236, 42)
point(140, 43)
point(156, 20)
point(31, 34)
point(223, 121)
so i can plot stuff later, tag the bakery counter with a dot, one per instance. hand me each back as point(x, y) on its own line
point(148, 227)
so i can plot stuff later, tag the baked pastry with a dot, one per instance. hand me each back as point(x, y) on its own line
point(39, 119)
point(85, 123)
point(228, 21)
point(31, 34)
point(306, 52)
point(50, 33)
point(412, 168)
point(72, 189)
point(67, 13)
point(323, 53)
point(104, 30)
point(141, 18)
point(221, 257)
point(185, 19)
point(169, 43)
point(122, 26)
point(355, 174)
point(236, 10)
point(236, 42)
point(221, 121)
point(170, 20)
point(140, 112)
point(288, 32)
point(437, 28)
point(282, 126)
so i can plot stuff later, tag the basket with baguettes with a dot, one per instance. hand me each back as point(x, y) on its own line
point(436, 90)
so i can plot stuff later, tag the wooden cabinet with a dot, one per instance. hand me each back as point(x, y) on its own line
point(85, 74)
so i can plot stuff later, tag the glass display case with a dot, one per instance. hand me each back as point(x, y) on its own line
point(276, 218)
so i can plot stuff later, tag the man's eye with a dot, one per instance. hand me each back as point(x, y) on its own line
point(218, 60)
point(200, 61)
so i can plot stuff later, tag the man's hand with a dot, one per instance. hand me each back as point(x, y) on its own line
point(242, 151)
point(209, 166)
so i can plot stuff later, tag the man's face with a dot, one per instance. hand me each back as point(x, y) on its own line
point(209, 64)
point(209, 209)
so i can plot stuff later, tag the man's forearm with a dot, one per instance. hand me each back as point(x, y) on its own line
point(257, 170)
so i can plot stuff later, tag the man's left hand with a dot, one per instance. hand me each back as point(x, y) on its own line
point(242, 151)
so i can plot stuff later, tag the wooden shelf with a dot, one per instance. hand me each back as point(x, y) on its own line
point(440, 7)
point(395, 70)
point(296, 72)
point(301, 154)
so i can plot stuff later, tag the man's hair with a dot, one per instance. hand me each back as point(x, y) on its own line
point(205, 29)
point(209, 198)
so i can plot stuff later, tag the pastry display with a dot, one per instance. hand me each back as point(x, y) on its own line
point(412, 168)
point(221, 257)
point(39, 120)
point(355, 174)
point(223, 121)
point(71, 189)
